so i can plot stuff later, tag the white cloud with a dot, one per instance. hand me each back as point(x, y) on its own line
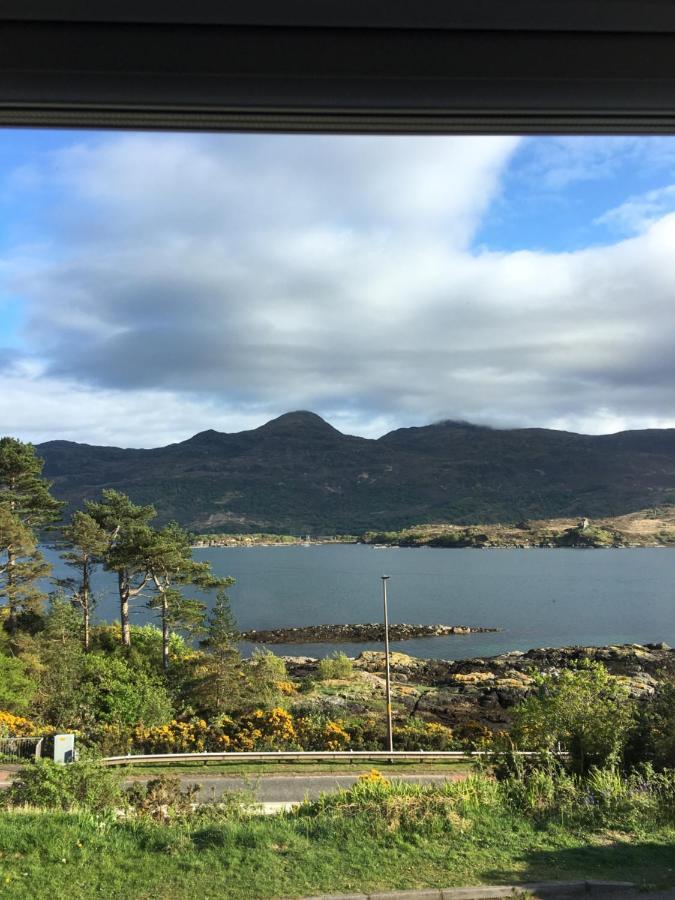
point(640, 212)
point(557, 163)
point(203, 282)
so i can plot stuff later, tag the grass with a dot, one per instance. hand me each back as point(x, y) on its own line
point(79, 856)
point(373, 837)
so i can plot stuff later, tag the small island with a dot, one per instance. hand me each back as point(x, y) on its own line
point(374, 631)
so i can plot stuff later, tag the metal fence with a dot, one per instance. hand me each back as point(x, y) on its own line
point(18, 749)
point(316, 755)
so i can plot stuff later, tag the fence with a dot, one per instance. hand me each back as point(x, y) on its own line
point(17, 749)
point(316, 755)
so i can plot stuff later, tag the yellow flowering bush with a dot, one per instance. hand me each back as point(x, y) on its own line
point(16, 726)
point(266, 730)
point(287, 688)
point(419, 735)
point(113, 739)
point(335, 737)
point(172, 737)
point(318, 733)
point(373, 777)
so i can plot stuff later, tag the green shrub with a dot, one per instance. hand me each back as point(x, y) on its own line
point(419, 735)
point(380, 806)
point(584, 709)
point(602, 798)
point(337, 665)
point(80, 785)
point(116, 693)
point(162, 798)
point(16, 688)
point(265, 671)
point(366, 732)
point(653, 737)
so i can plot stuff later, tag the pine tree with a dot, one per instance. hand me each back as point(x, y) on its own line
point(127, 534)
point(222, 683)
point(27, 507)
point(87, 542)
point(170, 565)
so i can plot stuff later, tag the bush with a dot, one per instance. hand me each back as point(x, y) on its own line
point(419, 735)
point(162, 798)
point(15, 726)
point(653, 738)
point(117, 693)
point(80, 785)
point(584, 709)
point(544, 790)
point(16, 688)
point(366, 733)
point(337, 665)
point(317, 732)
point(380, 806)
point(265, 673)
point(266, 730)
point(171, 737)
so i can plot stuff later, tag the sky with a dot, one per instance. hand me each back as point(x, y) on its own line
point(156, 285)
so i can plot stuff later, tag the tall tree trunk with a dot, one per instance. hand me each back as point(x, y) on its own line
point(165, 633)
point(11, 587)
point(85, 604)
point(85, 622)
point(124, 591)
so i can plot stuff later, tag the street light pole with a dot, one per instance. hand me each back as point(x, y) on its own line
point(390, 735)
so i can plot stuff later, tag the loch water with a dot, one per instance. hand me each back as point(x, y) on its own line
point(539, 597)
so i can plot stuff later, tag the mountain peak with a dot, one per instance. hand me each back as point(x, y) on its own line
point(298, 421)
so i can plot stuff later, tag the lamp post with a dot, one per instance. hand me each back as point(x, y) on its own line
point(390, 736)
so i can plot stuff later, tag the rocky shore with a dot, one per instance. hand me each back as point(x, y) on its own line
point(481, 691)
point(374, 631)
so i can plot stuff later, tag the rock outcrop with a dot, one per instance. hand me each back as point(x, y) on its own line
point(482, 690)
point(374, 631)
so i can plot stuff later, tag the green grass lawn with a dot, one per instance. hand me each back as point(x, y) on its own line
point(77, 855)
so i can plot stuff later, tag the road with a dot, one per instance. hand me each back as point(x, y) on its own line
point(285, 788)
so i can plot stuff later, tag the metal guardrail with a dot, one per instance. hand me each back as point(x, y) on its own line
point(320, 755)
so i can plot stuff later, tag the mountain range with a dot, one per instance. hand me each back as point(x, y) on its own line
point(297, 474)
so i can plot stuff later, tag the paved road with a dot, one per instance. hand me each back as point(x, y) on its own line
point(285, 788)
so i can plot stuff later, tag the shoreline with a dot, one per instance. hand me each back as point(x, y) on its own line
point(298, 544)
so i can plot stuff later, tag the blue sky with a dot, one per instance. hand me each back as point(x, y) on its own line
point(155, 285)
point(556, 189)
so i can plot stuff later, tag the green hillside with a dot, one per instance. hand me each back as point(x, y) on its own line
point(297, 474)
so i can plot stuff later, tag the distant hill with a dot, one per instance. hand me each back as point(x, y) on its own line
point(298, 474)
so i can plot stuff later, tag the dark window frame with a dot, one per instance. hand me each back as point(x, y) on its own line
point(391, 66)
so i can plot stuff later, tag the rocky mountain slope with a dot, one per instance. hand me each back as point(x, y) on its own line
point(298, 474)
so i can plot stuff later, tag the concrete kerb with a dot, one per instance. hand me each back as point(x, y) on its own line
point(492, 892)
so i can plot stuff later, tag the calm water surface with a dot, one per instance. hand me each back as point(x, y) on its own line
point(541, 598)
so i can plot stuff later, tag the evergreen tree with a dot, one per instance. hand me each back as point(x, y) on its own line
point(59, 698)
point(87, 542)
point(26, 507)
point(170, 565)
point(221, 684)
point(127, 534)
